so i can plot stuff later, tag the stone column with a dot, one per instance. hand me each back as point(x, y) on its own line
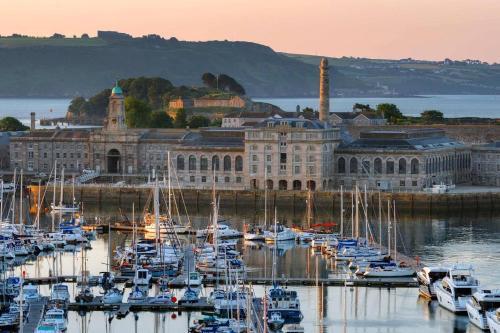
point(324, 91)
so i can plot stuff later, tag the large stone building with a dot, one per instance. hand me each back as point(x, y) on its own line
point(209, 102)
point(486, 164)
point(402, 159)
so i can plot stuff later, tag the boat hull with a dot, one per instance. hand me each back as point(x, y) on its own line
point(476, 317)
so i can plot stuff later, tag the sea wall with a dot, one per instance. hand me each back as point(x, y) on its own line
point(327, 203)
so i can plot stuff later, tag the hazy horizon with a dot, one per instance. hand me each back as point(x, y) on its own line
point(382, 29)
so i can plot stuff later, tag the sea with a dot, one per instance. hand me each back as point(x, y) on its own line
point(451, 105)
point(473, 239)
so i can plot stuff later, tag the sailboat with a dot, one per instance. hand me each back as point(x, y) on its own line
point(279, 232)
point(61, 207)
point(257, 233)
point(85, 294)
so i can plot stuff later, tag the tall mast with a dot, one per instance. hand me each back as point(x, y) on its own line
point(395, 232)
point(341, 212)
point(54, 190)
point(357, 211)
point(14, 199)
point(275, 245)
point(352, 213)
point(389, 227)
point(38, 203)
point(265, 197)
point(62, 189)
point(108, 260)
point(1, 201)
point(379, 222)
point(157, 215)
point(169, 188)
point(366, 215)
point(21, 200)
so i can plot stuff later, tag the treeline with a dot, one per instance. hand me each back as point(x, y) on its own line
point(11, 124)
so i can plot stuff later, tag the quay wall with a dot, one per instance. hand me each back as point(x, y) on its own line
point(326, 203)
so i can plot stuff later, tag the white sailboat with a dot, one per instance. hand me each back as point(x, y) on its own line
point(61, 207)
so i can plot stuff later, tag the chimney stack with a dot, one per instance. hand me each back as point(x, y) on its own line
point(324, 91)
point(32, 125)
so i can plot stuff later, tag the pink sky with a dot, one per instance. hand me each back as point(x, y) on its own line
point(421, 29)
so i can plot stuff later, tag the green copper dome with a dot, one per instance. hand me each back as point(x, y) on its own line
point(116, 90)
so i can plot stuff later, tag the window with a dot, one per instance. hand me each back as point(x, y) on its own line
point(377, 166)
point(414, 166)
point(283, 158)
point(203, 163)
point(180, 162)
point(192, 163)
point(296, 169)
point(86, 155)
point(402, 183)
point(341, 165)
point(311, 158)
point(44, 155)
point(57, 155)
point(268, 169)
point(238, 180)
point(254, 169)
point(238, 164)
point(71, 155)
point(296, 148)
point(191, 179)
point(414, 183)
point(227, 163)
point(30, 154)
point(297, 158)
point(215, 163)
point(78, 155)
point(268, 158)
point(402, 166)
point(365, 167)
point(255, 158)
point(353, 165)
point(226, 179)
point(268, 147)
point(389, 167)
point(64, 155)
point(311, 170)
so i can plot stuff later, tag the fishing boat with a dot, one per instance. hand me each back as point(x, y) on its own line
point(480, 304)
point(427, 277)
point(112, 296)
point(45, 327)
point(456, 288)
point(494, 321)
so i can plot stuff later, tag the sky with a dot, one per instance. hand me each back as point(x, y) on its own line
point(391, 29)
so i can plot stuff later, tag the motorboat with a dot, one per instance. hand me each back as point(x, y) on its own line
point(389, 271)
point(60, 293)
point(191, 295)
point(481, 303)
point(286, 303)
point(427, 277)
point(280, 233)
point(223, 231)
point(106, 278)
point(142, 277)
point(85, 295)
point(228, 305)
point(137, 295)
point(166, 225)
point(45, 327)
point(494, 321)
point(193, 279)
point(292, 328)
point(456, 288)
point(30, 293)
point(56, 317)
point(65, 209)
point(164, 297)
point(254, 233)
point(113, 296)
point(275, 321)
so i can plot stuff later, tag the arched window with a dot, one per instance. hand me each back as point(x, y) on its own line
point(365, 167)
point(269, 184)
point(283, 184)
point(227, 163)
point(215, 163)
point(389, 167)
point(402, 166)
point(353, 165)
point(238, 163)
point(341, 165)
point(203, 163)
point(414, 166)
point(192, 163)
point(297, 185)
point(377, 166)
point(311, 185)
point(180, 162)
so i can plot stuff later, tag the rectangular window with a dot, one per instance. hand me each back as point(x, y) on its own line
point(64, 155)
point(296, 169)
point(226, 179)
point(44, 155)
point(78, 155)
point(71, 155)
point(268, 158)
point(254, 158)
point(86, 155)
point(414, 183)
point(203, 179)
point(191, 179)
point(268, 169)
point(238, 180)
point(30, 154)
point(57, 155)
point(254, 169)
point(402, 183)
point(283, 158)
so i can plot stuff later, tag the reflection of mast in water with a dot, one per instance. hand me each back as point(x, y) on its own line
point(343, 304)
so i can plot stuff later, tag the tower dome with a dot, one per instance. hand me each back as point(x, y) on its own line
point(116, 90)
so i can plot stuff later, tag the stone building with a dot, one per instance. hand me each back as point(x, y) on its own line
point(403, 159)
point(291, 154)
point(356, 119)
point(486, 164)
point(209, 102)
point(250, 118)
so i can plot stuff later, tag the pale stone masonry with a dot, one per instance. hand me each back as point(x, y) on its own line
point(486, 164)
point(324, 91)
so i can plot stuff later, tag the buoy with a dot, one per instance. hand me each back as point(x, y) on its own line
point(174, 299)
point(173, 316)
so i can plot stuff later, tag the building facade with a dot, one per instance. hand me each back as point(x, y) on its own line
point(486, 164)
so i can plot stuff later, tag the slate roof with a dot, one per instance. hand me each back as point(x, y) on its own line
point(293, 122)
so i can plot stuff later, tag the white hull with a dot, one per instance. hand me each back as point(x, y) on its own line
point(254, 237)
point(476, 317)
point(64, 209)
point(178, 229)
point(493, 323)
point(112, 298)
point(446, 300)
point(389, 273)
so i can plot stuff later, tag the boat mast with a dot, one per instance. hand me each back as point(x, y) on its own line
point(21, 201)
point(275, 245)
point(352, 213)
point(169, 188)
point(157, 215)
point(379, 222)
point(341, 212)
point(14, 199)
point(265, 197)
point(108, 260)
point(38, 204)
point(62, 189)
point(389, 227)
point(395, 232)
point(54, 191)
point(366, 215)
point(357, 212)
point(1, 201)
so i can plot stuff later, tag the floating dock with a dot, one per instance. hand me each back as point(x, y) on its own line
point(35, 314)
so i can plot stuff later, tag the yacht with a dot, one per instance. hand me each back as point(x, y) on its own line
point(56, 317)
point(60, 293)
point(280, 233)
point(191, 295)
point(142, 277)
point(30, 293)
point(494, 321)
point(481, 303)
point(47, 328)
point(137, 295)
point(389, 271)
point(427, 277)
point(456, 288)
point(113, 296)
point(164, 297)
point(84, 295)
point(286, 303)
point(275, 321)
point(223, 231)
point(254, 233)
point(166, 225)
point(193, 279)
point(292, 328)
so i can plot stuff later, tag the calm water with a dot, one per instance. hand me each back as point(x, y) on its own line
point(450, 105)
point(474, 239)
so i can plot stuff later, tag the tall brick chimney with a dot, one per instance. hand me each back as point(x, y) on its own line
point(32, 125)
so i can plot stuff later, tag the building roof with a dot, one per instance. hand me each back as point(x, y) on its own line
point(292, 122)
point(412, 139)
point(116, 90)
point(352, 115)
point(224, 138)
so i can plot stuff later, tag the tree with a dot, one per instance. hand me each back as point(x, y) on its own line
point(198, 121)
point(362, 107)
point(309, 113)
point(76, 105)
point(390, 112)
point(137, 113)
point(209, 80)
point(432, 116)
point(57, 36)
point(160, 119)
point(180, 119)
point(11, 124)
point(216, 122)
point(225, 82)
point(85, 36)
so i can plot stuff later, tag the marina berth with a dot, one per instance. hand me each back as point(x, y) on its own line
point(481, 304)
point(456, 288)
